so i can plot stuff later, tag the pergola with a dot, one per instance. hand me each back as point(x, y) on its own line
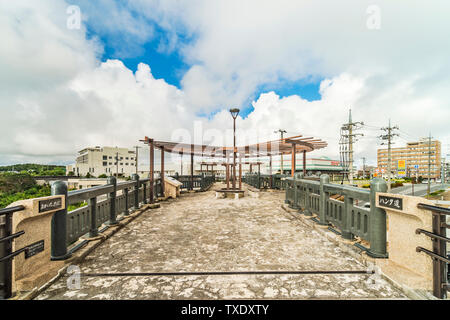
point(290, 145)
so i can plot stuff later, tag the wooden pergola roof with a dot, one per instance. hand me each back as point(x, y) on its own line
point(269, 148)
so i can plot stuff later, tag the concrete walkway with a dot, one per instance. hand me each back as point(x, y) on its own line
point(198, 232)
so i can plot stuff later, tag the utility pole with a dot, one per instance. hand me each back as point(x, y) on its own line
point(282, 132)
point(137, 154)
point(364, 167)
point(349, 137)
point(117, 164)
point(389, 137)
point(424, 140)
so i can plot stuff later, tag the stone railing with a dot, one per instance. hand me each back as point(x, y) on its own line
point(350, 209)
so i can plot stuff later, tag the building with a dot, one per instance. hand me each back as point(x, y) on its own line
point(98, 161)
point(313, 165)
point(366, 172)
point(416, 157)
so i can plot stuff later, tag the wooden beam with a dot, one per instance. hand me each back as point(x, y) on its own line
point(293, 160)
point(152, 169)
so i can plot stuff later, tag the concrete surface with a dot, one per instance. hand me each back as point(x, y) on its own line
point(198, 232)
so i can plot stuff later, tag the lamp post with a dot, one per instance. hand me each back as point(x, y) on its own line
point(234, 113)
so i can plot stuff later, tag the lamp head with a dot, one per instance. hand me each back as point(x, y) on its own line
point(234, 112)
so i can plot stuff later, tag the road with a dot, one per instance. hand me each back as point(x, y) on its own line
point(420, 190)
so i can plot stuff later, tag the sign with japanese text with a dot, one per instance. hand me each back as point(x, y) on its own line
point(390, 202)
point(50, 205)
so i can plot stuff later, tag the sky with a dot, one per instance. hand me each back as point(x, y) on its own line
point(108, 73)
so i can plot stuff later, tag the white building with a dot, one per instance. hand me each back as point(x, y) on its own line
point(98, 161)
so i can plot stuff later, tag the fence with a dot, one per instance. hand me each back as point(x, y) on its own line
point(104, 204)
point(350, 209)
point(439, 254)
point(201, 182)
point(6, 254)
point(265, 181)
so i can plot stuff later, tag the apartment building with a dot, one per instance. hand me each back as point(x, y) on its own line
point(102, 160)
point(416, 156)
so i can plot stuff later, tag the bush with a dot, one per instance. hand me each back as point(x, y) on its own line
point(396, 184)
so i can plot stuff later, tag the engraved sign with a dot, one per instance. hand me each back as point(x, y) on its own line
point(390, 202)
point(50, 204)
point(34, 249)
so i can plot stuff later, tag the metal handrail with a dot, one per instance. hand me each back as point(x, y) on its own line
point(11, 210)
point(435, 209)
point(440, 285)
point(7, 242)
point(432, 235)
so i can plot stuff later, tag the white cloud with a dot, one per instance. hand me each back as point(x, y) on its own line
point(57, 97)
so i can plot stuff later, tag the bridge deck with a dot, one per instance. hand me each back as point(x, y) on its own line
point(201, 233)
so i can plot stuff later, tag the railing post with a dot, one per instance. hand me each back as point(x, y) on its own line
point(6, 270)
point(145, 193)
point(294, 185)
point(307, 211)
point(112, 198)
point(126, 212)
point(93, 232)
point(377, 221)
point(324, 179)
point(135, 177)
point(439, 248)
point(346, 217)
point(259, 180)
point(59, 225)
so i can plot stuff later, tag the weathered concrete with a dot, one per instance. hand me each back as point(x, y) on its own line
point(198, 232)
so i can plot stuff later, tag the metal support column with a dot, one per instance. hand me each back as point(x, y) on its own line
point(59, 225)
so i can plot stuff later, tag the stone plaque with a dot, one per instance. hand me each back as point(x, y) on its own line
point(390, 202)
point(34, 249)
point(50, 205)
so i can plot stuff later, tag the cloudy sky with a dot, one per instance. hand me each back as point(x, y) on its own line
point(166, 69)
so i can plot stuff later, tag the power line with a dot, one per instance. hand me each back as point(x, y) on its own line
point(389, 136)
point(282, 132)
point(348, 137)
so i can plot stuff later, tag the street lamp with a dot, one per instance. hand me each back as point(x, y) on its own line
point(234, 113)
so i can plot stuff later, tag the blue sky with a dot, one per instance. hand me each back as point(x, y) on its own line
point(170, 65)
